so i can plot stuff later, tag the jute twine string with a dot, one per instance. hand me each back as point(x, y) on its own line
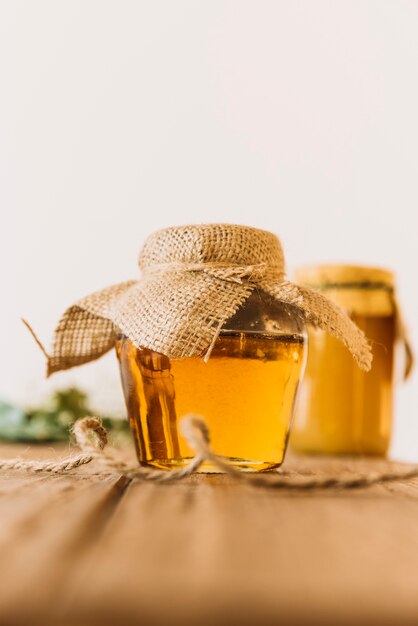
point(228, 272)
point(92, 438)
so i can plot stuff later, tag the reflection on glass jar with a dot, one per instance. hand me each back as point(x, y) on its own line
point(342, 409)
point(245, 391)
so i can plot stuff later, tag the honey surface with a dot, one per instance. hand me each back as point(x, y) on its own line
point(245, 392)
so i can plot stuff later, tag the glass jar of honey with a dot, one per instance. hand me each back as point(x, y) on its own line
point(342, 409)
point(211, 326)
point(246, 390)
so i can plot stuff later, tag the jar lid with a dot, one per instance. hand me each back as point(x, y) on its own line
point(333, 275)
point(192, 280)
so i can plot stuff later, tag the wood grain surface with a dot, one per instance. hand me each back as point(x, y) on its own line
point(86, 549)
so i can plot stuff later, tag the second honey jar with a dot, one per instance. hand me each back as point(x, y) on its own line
point(342, 409)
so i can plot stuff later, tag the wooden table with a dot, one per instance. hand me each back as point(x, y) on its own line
point(86, 548)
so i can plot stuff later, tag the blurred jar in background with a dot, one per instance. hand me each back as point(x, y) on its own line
point(342, 409)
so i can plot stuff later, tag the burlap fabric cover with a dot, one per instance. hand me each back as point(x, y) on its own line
point(193, 279)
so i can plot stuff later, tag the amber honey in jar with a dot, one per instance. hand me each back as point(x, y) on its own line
point(342, 409)
point(246, 390)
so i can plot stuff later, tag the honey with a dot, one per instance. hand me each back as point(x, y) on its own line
point(342, 409)
point(245, 392)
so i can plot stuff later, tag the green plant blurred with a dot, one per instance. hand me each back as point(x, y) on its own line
point(53, 421)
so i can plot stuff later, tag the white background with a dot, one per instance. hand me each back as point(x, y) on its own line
point(120, 117)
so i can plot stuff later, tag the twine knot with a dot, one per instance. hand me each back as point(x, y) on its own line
point(84, 428)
